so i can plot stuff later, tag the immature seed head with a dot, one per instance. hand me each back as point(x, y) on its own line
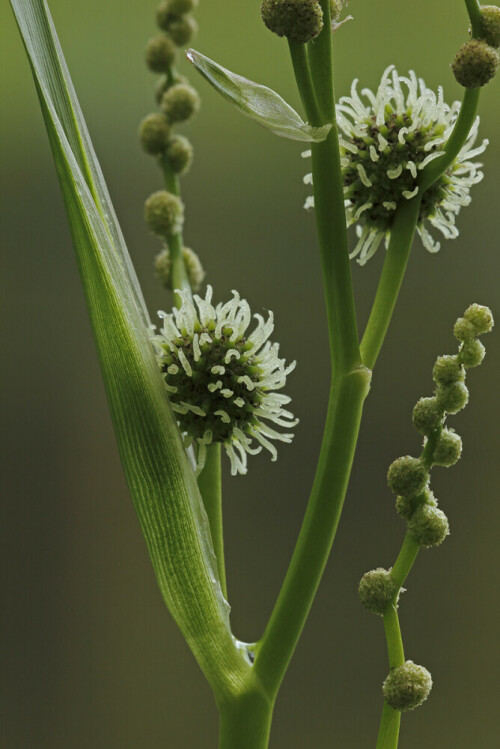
point(164, 213)
point(472, 353)
point(447, 369)
point(452, 397)
point(448, 449)
point(407, 476)
point(180, 102)
point(427, 416)
point(475, 64)
point(160, 54)
point(222, 380)
point(491, 25)
point(428, 526)
point(480, 317)
point(407, 686)
point(194, 268)
point(386, 139)
point(179, 154)
point(182, 30)
point(154, 133)
point(406, 506)
point(376, 589)
point(298, 20)
point(464, 330)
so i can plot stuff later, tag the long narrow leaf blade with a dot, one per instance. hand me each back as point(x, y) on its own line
point(261, 104)
point(161, 482)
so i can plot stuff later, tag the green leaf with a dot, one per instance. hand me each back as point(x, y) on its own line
point(161, 481)
point(258, 102)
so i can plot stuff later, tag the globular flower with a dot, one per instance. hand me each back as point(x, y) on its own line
point(386, 139)
point(222, 379)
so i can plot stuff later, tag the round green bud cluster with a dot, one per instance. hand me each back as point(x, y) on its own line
point(172, 18)
point(491, 25)
point(154, 134)
point(475, 64)
point(336, 9)
point(427, 415)
point(428, 526)
point(452, 397)
point(194, 268)
point(406, 506)
point(481, 318)
point(298, 20)
point(164, 213)
point(376, 590)
point(472, 353)
point(407, 476)
point(463, 330)
point(182, 30)
point(448, 448)
point(160, 54)
point(179, 154)
point(407, 686)
point(180, 102)
point(447, 369)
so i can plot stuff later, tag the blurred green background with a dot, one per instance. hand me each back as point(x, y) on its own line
point(89, 655)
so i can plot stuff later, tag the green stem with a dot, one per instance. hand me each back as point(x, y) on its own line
point(175, 241)
point(391, 278)
point(245, 722)
point(302, 71)
point(210, 485)
point(405, 561)
point(476, 19)
point(388, 734)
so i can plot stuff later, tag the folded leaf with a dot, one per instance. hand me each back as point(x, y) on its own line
point(162, 484)
point(258, 102)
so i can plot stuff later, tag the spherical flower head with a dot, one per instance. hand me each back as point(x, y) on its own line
point(179, 154)
point(448, 369)
point(154, 134)
point(407, 476)
point(222, 379)
point(428, 526)
point(491, 25)
point(298, 20)
point(180, 102)
point(180, 7)
point(386, 139)
point(448, 449)
point(475, 64)
point(164, 213)
point(160, 54)
point(427, 416)
point(182, 30)
point(472, 353)
point(376, 590)
point(464, 330)
point(407, 686)
point(452, 397)
point(480, 317)
point(194, 268)
point(406, 506)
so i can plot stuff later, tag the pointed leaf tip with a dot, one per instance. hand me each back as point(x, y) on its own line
point(259, 103)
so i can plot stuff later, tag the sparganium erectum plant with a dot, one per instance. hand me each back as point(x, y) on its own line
point(206, 378)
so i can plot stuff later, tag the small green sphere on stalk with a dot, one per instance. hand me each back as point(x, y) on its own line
point(428, 526)
point(376, 590)
point(154, 133)
point(182, 30)
point(463, 330)
point(448, 449)
point(491, 25)
point(407, 476)
point(427, 416)
point(297, 20)
point(480, 317)
point(194, 268)
point(452, 397)
point(448, 369)
point(475, 64)
point(180, 102)
point(164, 213)
point(472, 353)
point(160, 54)
point(407, 686)
point(179, 154)
point(406, 506)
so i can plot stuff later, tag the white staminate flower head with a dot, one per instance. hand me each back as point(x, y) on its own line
point(222, 380)
point(386, 139)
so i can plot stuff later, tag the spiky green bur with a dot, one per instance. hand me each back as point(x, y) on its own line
point(160, 54)
point(475, 64)
point(297, 20)
point(376, 589)
point(194, 268)
point(491, 25)
point(428, 526)
point(154, 134)
point(407, 686)
point(164, 213)
point(407, 476)
point(180, 102)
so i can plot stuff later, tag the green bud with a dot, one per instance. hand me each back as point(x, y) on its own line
point(298, 20)
point(407, 686)
point(154, 133)
point(491, 25)
point(336, 9)
point(407, 476)
point(179, 154)
point(475, 64)
point(427, 416)
point(452, 397)
point(472, 353)
point(447, 369)
point(448, 449)
point(180, 7)
point(163, 85)
point(160, 54)
point(194, 268)
point(480, 317)
point(463, 330)
point(428, 526)
point(182, 30)
point(164, 213)
point(376, 589)
point(406, 506)
point(180, 102)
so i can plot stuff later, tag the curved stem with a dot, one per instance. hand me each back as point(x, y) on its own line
point(175, 241)
point(298, 53)
point(210, 485)
point(476, 19)
point(391, 278)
